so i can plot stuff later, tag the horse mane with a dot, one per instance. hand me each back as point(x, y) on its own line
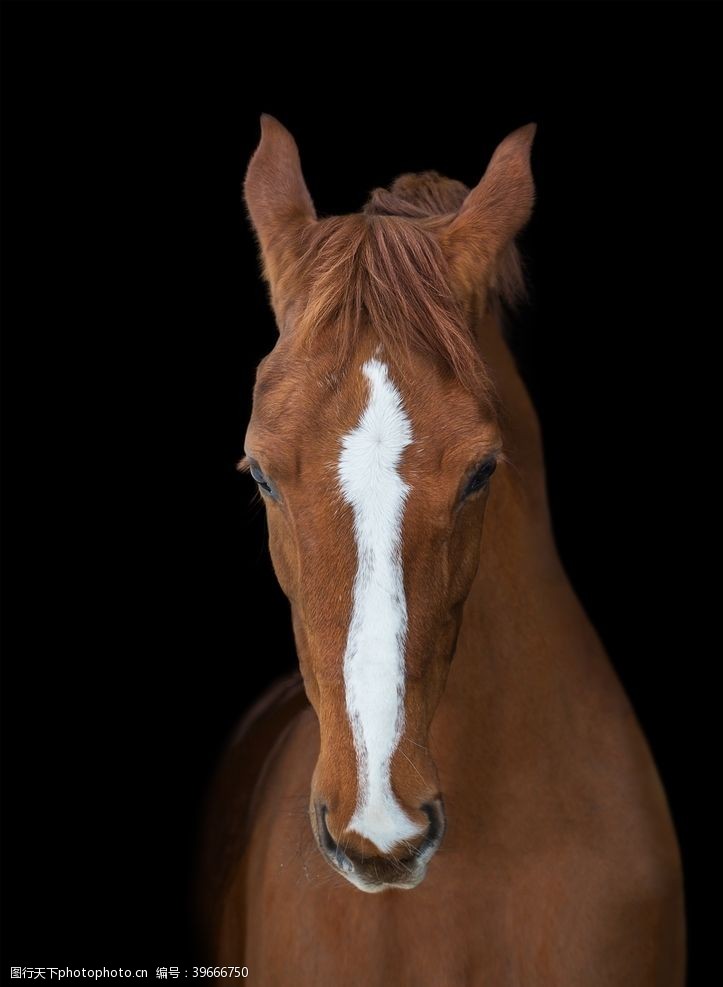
point(382, 270)
point(427, 194)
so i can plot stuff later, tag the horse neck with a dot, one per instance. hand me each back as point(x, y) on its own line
point(527, 659)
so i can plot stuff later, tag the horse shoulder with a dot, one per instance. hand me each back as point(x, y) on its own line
point(228, 817)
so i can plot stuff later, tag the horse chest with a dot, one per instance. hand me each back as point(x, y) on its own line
point(485, 924)
point(308, 926)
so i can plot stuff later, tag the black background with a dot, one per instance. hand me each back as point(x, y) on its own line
point(135, 569)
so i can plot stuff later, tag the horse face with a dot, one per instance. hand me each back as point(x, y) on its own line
point(375, 492)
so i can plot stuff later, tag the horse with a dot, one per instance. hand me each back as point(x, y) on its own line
point(455, 789)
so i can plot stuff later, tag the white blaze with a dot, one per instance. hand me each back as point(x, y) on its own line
point(374, 658)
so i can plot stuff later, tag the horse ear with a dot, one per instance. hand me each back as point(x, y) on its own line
point(494, 212)
point(276, 195)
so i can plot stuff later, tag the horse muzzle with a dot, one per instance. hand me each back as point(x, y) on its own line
point(373, 874)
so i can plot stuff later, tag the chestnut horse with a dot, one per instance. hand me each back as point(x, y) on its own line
point(483, 806)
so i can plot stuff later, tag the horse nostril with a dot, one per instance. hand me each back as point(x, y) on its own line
point(329, 844)
point(434, 811)
point(327, 840)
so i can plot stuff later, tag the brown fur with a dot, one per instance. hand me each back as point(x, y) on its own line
point(428, 194)
point(387, 275)
point(231, 799)
point(560, 866)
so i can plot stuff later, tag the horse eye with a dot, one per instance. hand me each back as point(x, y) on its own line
point(257, 474)
point(480, 477)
